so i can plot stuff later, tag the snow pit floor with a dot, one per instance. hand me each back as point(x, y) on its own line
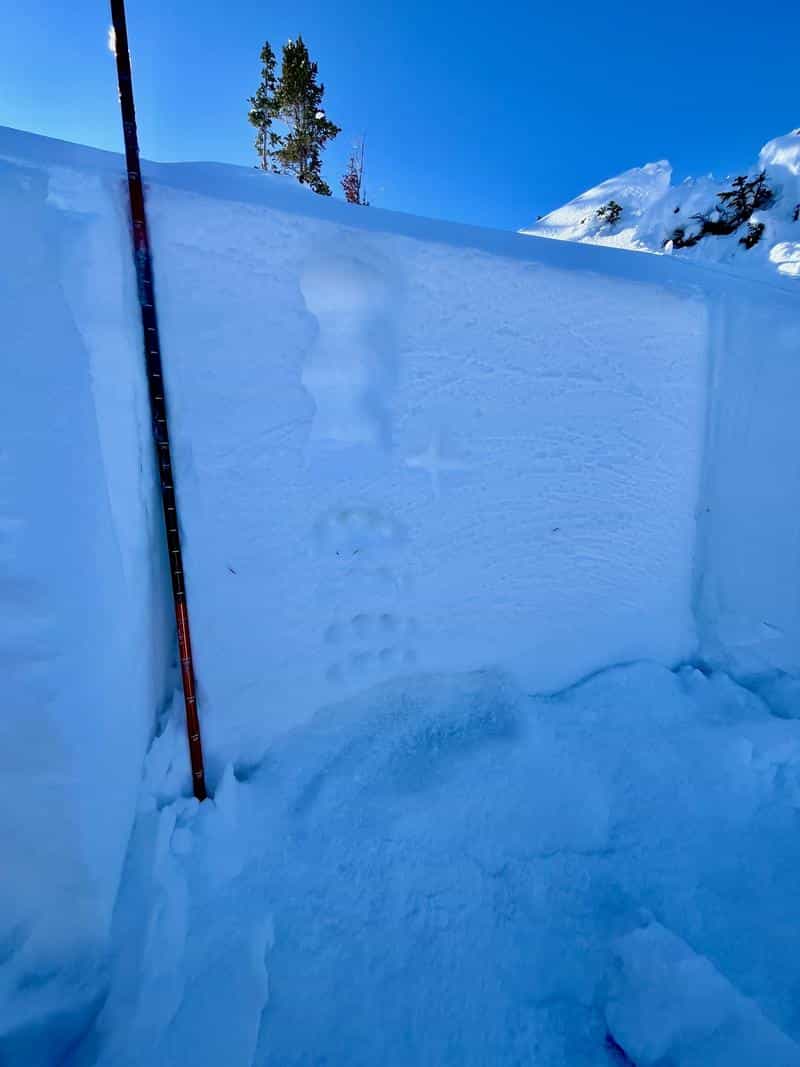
point(445, 870)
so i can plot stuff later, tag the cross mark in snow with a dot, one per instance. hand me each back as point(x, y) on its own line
point(433, 462)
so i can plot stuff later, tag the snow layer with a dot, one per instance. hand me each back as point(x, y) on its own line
point(423, 470)
point(652, 208)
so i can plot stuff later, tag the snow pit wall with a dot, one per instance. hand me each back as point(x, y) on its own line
point(400, 446)
point(748, 567)
point(405, 446)
point(85, 639)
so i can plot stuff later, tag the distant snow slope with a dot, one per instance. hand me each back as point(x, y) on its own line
point(652, 208)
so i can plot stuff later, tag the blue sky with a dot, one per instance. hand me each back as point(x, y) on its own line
point(489, 115)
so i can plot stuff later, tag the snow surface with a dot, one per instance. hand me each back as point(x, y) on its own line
point(447, 871)
point(652, 208)
point(425, 471)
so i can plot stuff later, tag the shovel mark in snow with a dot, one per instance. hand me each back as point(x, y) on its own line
point(350, 370)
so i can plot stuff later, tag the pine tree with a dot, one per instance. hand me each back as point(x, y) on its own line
point(299, 105)
point(263, 111)
point(609, 212)
point(353, 178)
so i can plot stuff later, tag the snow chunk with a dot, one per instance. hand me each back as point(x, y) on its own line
point(781, 154)
point(669, 1004)
point(786, 256)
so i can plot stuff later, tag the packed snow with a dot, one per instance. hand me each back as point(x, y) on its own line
point(447, 871)
point(653, 208)
point(492, 569)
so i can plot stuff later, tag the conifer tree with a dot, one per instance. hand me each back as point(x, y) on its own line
point(746, 197)
point(299, 105)
point(263, 111)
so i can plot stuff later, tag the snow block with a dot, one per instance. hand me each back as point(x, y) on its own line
point(670, 1005)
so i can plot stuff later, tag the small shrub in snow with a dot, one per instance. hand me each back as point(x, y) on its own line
point(609, 212)
point(753, 235)
point(353, 178)
point(678, 238)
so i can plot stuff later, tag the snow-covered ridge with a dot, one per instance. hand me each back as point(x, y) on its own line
point(653, 209)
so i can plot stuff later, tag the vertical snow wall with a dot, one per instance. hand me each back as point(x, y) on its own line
point(400, 446)
point(85, 640)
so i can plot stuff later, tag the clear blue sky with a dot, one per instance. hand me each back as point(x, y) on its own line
point(488, 114)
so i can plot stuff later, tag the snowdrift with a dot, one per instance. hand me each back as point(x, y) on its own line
point(401, 447)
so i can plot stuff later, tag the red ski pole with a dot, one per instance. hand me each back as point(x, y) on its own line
point(155, 381)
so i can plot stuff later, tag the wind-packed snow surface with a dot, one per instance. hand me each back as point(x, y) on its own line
point(424, 472)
